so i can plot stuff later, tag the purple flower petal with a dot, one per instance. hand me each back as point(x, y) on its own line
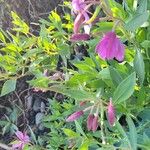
point(20, 135)
point(17, 145)
point(78, 5)
point(110, 47)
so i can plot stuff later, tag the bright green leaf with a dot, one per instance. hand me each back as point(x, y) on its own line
point(70, 133)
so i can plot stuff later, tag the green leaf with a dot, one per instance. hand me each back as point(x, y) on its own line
point(85, 144)
point(142, 6)
point(32, 135)
point(139, 66)
point(145, 44)
point(125, 89)
point(2, 38)
point(137, 21)
point(115, 76)
point(19, 24)
point(132, 133)
point(70, 133)
point(9, 86)
point(79, 128)
point(73, 93)
point(41, 82)
point(123, 133)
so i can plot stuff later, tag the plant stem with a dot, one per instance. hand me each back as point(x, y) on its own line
point(102, 123)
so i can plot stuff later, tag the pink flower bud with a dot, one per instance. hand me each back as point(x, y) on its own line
point(80, 37)
point(90, 121)
point(22, 140)
point(95, 123)
point(78, 22)
point(111, 113)
point(75, 116)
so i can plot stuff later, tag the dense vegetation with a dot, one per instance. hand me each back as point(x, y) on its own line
point(81, 82)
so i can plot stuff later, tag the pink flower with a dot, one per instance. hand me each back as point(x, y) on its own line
point(78, 5)
point(110, 47)
point(111, 113)
point(95, 123)
point(90, 122)
point(75, 116)
point(23, 139)
point(80, 8)
point(80, 37)
point(78, 22)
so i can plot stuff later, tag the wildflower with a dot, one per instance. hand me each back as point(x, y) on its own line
point(78, 5)
point(78, 22)
point(23, 139)
point(95, 123)
point(90, 122)
point(75, 116)
point(80, 37)
point(80, 8)
point(111, 113)
point(110, 47)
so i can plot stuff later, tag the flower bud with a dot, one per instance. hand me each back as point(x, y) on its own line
point(78, 22)
point(90, 121)
point(95, 123)
point(80, 37)
point(111, 113)
point(75, 116)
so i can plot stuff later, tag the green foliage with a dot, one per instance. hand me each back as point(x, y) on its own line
point(125, 89)
point(83, 78)
point(139, 66)
point(9, 86)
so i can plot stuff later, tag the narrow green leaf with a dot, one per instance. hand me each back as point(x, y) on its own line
point(125, 89)
point(139, 66)
point(2, 38)
point(79, 128)
point(123, 133)
point(132, 133)
point(85, 144)
point(9, 86)
point(70, 133)
point(32, 135)
point(73, 93)
point(137, 21)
